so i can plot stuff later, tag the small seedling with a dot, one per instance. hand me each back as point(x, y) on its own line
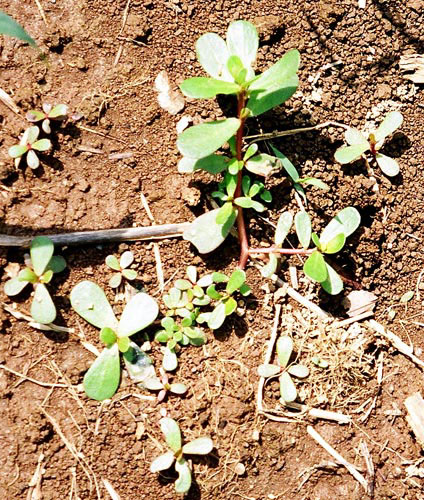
point(8, 26)
point(28, 145)
point(102, 379)
point(56, 113)
point(42, 265)
point(358, 144)
point(227, 304)
point(285, 371)
point(163, 386)
point(199, 446)
point(121, 266)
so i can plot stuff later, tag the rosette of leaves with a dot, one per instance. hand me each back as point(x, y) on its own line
point(284, 371)
point(120, 266)
point(177, 452)
point(42, 265)
point(183, 332)
point(28, 145)
point(358, 144)
point(331, 241)
point(163, 385)
point(226, 304)
point(56, 113)
point(230, 66)
point(102, 379)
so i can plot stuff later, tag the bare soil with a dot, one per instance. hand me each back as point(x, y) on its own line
point(106, 73)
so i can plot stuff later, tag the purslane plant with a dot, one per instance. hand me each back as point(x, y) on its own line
point(199, 446)
point(285, 371)
point(39, 272)
point(56, 113)
point(358, 144)
point(163, 385)
point(28, 145)
point(120, 266)
point(102, 379)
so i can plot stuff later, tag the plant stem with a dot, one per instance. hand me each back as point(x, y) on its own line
point(241, 227)
point(284, 251)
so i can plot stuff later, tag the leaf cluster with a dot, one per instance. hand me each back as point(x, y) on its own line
point(121, 268)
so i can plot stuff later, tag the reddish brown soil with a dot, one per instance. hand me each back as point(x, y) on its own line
point(76, 190)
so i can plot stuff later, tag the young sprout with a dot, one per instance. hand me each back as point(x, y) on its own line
point(177, 452)
point(121, 266)
point(227, 304)
point(8, 26)
point(358, 144)
point(28, 145)
point(49, 112)
point(163, 386)
point(102, 379)
point(43, 264)
point(285, 371)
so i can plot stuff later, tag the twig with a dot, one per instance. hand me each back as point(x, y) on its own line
point(273, 135)
point(101, 236)
point(111, 490)
point(329, 449)
point(41, 10)
point(34, 490)
point(9, 102)
point(96, 132)
point(415, 418)
point(379, 382)
point(33, 380)
point(50, 327)
point(354, 319)
point(370, 466)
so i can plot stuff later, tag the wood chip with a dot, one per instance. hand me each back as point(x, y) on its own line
point(8, 101)
point(415, 418)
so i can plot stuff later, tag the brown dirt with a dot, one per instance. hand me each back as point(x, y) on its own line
point(76, 190)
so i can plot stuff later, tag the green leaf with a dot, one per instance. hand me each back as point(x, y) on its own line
point(115, 280)
point(123, 344)
point(217, 317)
point(107, 335)
point(250, 151)
point(127, 258)
point(235, 67)
point(43, 309)
point(27, 275)
point(316, 241)
point(46, 277)
point(17, 150)
point(233, 166)
point(230, 182)
point(90, 302)
point(204, 139)
point(41, 251)
point(256, 205)
point(219, 277)
point(268, 370)
point(353, 137)
point(214, 164)
point(178, 388)
point(333, 284)
point(262, 164)
point(56, 264)
point(230, 306)
point(284, 350)
point(139, 365)
point(58, 111)
point(287, 388)
point(183, 284)
point(298, 371)
point(102, 379)
point(212, 54)
point(224, 213)
point(245, 290)
point(42, 145)
point(302, 223)
point(406, 297)
point(162, 336)
point(346, 222)
point(347, 154)
point(391, 123)
point(275, 85)
point(14, 286)
point(243, 41)
point(8, 26)
point(169, 361)
point(315, 267)
point(192, 273)
point(335, 245)
point(32, 159)
point(199, 446)
point(113, 262)
point(129, 274)
point(206, 234)
point(389, 166)
point(206, 88)
point(213, 293)
point(245, 184)
point(183, 483)
point(284, 224)
point(311, 181)
point(237, 278)
point(300, 191)
point(244, 202)
point(269, 269)
point(287, 164)
point(172, 433)
point(266, 196)
point(139, 313)
point(163, 462)
point(35, 116)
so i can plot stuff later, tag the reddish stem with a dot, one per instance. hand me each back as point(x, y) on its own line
point(284, 251)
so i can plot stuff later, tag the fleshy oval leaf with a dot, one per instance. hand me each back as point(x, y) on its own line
point(43, 309)
point(127, 258)
point(32, 159)
point(14, 286)
point(56, 264)
point(115, 280)
point(163, 462)
point(347, 154)
point(243, 41)
point(169, 360)
point(90, 302)
point(268, 370)
point(302, 223)
point(284, 224)
point(288, 390)
point(298, 371)
point(346, 222)
point(199, 446)
point(237, 278)
point(284, 350)
point(212, 54)
point(206, 88)
point(262, 164)
point(59, 111)
point(315, 267)
point(271, 267)
point(353, 137)
point(333, 284)
point(217, 317)
point(391, 123)
point(183, 483)
point(41, 251)
point(102, 379)
point(389, 166)
point(171, 431)
point(335, 244)
point(113, 262)
point(178, 388)
point(139, 313)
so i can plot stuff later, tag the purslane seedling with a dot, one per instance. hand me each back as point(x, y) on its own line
point(285, 371)
point(102, 379)
point(163, 385)
point(358, 144)
point(39, 272)
point(199, 446)
point(121, 268)
point(28, 145)
point(55, 113)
